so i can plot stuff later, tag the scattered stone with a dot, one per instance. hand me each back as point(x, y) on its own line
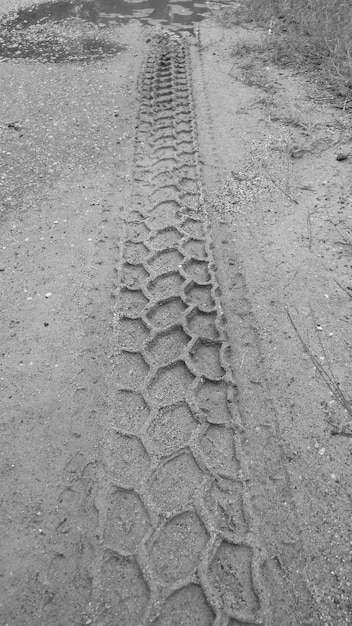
point(342, 156)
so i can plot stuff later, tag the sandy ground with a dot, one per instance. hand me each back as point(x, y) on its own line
point(280, 208)
point(284, 231)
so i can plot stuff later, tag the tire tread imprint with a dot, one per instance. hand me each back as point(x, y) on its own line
point(167, 235)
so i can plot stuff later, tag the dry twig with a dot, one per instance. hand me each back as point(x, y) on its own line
point(328, 378)
point(343, 288)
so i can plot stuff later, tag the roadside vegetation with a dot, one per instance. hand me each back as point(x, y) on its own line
point(313, 35)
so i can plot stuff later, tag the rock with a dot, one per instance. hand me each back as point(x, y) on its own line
point(342, 156)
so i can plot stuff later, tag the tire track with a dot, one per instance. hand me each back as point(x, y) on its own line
point(179, 543)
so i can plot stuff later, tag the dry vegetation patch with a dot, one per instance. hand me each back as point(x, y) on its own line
point(309, 34)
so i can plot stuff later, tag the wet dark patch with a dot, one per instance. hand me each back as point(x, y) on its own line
point(65, 30)
point(55, 11)
point(57, 32)
point(183, 12)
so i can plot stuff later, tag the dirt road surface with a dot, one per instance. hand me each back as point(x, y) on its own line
point(176, 231)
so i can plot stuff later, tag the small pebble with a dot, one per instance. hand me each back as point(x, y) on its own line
point(342, 156)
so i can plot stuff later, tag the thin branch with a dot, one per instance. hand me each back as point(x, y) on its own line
point(309, 229)
point(318, 334)
point(329, 380)
point(293, 278)
point(343, 288)
point(284, 191)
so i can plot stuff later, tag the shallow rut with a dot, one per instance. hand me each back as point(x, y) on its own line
point(159, 528)
point(179, 542)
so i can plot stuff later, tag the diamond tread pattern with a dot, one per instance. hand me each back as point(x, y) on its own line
point(180, 542)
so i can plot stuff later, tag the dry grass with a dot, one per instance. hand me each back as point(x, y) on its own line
point(309, 34)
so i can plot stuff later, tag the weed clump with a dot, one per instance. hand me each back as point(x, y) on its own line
point(309, 34)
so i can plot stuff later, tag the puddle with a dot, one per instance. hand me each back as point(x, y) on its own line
point(75, 31)
point(39, 33)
